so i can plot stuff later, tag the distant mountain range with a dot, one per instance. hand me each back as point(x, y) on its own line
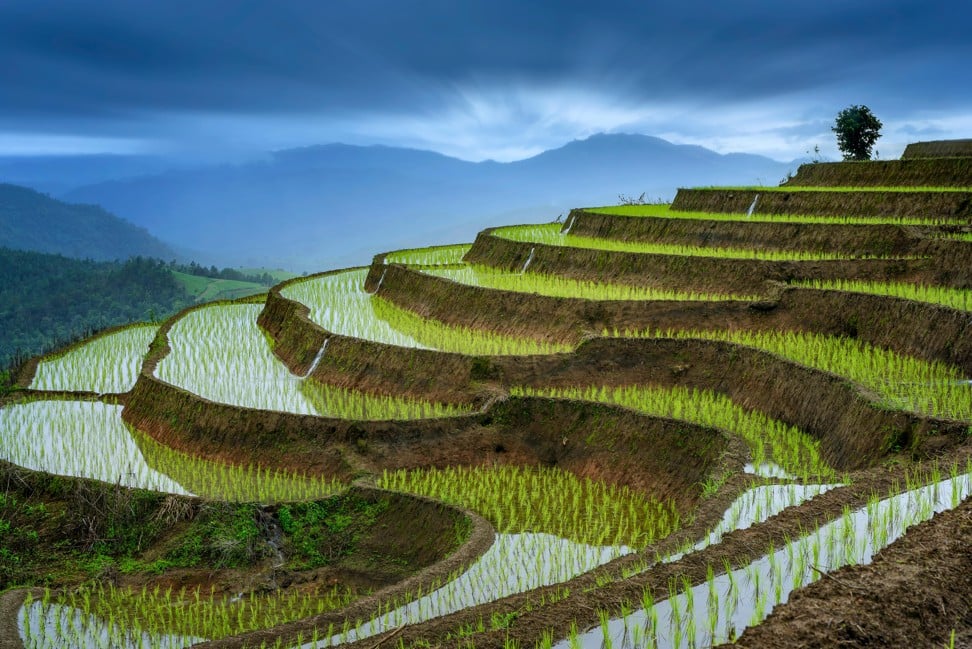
point(335, 205)
point(33, 221)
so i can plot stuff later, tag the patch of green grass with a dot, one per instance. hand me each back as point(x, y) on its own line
point(208, 289)
point(278, 274)
point(320, 532)
point(964, 236)
point(339, 304)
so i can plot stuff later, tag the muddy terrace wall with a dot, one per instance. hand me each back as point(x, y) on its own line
point(366, 365)
point(900, 325)
point(854, 432)
point(927, 204)
point(938, 149)
point(562, 319)
point(683, 272)
point(668, 458)
point(873, 240)
point(916, 172)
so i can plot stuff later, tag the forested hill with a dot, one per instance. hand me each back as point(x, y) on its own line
point(48, 300)
point(30, 220)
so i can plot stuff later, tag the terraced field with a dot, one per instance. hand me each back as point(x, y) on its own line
point(646, 426)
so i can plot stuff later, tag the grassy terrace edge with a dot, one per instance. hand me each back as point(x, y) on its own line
point(759, 232)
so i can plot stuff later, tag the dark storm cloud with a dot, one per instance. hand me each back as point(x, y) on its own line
point(117, 67)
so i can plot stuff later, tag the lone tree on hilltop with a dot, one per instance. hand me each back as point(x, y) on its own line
point(857, 130)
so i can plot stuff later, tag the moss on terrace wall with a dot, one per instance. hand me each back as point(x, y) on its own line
point(916, 172)
point(925, 204)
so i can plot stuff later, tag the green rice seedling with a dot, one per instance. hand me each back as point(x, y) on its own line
point(559, 286)
point(339, 304)
point(785, 445)
point(664, 211)
point(903, 382)
point(955, 298)
point(431, 256)
point(219, 353)
point(545, 499)
point(234, 483)
point(549, 234)
point(192, 613)
point(963, 236)
point(108, 363)
point(464, 340)
point(572, 636)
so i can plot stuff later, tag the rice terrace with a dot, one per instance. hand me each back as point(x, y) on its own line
point(744, 417)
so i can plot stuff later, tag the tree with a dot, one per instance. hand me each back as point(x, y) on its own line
point(857, 130)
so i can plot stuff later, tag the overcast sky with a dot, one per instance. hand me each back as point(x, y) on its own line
point(501, 79)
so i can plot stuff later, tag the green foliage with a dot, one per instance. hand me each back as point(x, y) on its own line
point(30, 220)
point(544, 499)
point(51, 300)
point(857, 130)
point(247, 367)
point(222, 536)
point(321, 532)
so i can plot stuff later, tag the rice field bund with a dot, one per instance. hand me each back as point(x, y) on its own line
point(458, 447)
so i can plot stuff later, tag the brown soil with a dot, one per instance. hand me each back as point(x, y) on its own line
point(664, 457)
point(929, 172)
point(928, 204)
point(914, 594)
point(10, 603)
point(938, 149)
